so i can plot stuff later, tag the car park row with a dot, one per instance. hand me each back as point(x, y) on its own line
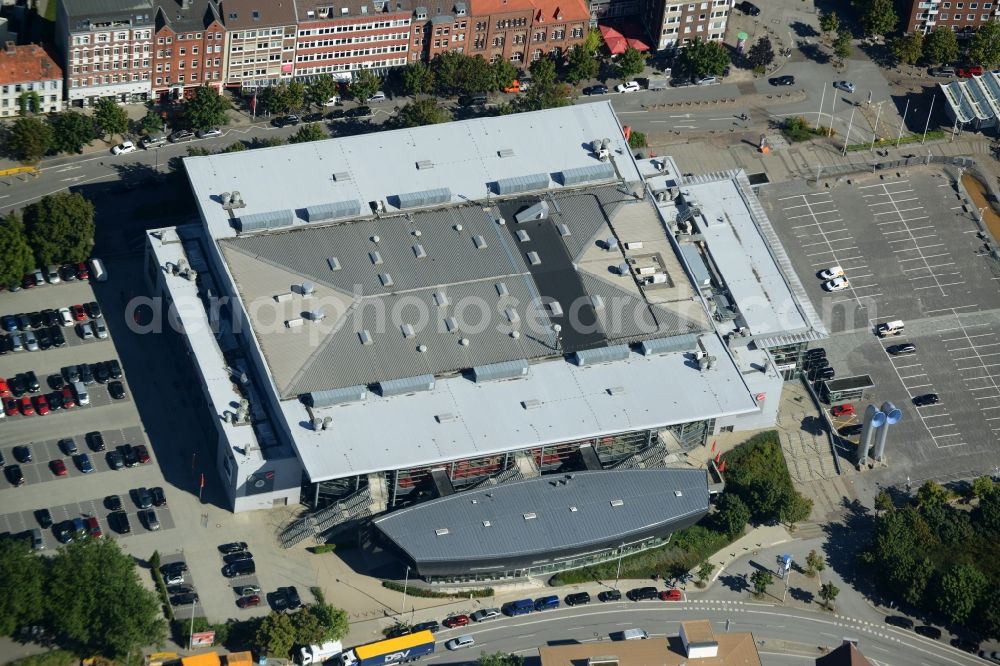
point(38, 331)
point(52, 452)
point(63, 391)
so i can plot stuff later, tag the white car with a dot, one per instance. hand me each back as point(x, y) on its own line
point(846, 86)
point(837, 284)
point(65, 317)
point(831, 273)
point(333, 101)
point(173, 578)
point(123, 148)
point(379, 96)
point(460, 642)
point(706, 81)
point(627, 87)
point(209, 133)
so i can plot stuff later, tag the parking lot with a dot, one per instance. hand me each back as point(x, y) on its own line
point(43, 452)
point(911, 251)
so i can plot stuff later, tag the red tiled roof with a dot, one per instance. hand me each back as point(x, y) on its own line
point(619, 43)
point(545, 11)
point(27, 63)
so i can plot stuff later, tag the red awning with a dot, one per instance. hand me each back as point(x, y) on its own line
point(618, 43)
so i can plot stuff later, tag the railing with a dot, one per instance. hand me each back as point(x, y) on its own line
point(326, 518)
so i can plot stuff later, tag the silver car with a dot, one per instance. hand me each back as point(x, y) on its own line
point(100, 329)
point(84, 330)
point(846, 86)
point(30, 341)
point(16, 343)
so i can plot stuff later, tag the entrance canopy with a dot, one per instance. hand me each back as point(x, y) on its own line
point(622, 36)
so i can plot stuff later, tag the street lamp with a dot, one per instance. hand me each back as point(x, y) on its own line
point(405, 584)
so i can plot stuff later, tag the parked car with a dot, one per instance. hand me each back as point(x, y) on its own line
point(705, 80)
point(141, 454)
point(113, 503)
point(842, 410)
point(115, 460)
point(142, 498)
point(44, 518)
point(79, 314)
point(609, 595)
point(41, 405)
point(901, 349)
point(114, 368)
point(969, 71)
point(379, 96)
point(291, 595)
point(899, 621)
point(456, 621)
point(628, 87)
point(642, 593)
point(942, 71)
point(846, 86)
point(128, 455)
point(22, 453)
point(926, 399)
point(460, 643)
point(58, 467)
point(241, 556)
point(234, 547)
point(831, 273)
point(432, 626)
point(83, 462)
point(990, 655)
point(117, 390)
point(14, 475)
point(181, 135)
point(184, 599)
point(148, 517)
point(671, 595)
point(100, 328)
point(209, 133)
point(118, 520)
point(95, 440)
point(748, 8)
point(486, 614)
point(174, 567)
point(248, 601)
point(286, 121)
point(599, 89)
point(928, 631)
point(123, 148)
point(64, 531)
point(234, 569)
point(577, 599)
point(93, 527)
point(173, 578)
point(246, 590)
point(786, 80)
point(837, 284)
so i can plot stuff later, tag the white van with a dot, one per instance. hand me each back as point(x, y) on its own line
point(97, 270)
point(890, 328)
point(82, 397)
point(634, 634)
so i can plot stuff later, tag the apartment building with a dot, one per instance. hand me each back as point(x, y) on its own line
point(106, 49)
point(345, 37)
point(962, 17)
point(189, 49)
point(523, 31)
point(439, 26)
point(30, 81)
point(260, 42)
point(673, 24)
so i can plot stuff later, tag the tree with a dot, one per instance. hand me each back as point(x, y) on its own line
point(732, 514)
point(985, 46)
point(705, 571)
point(959, 591)
point(932, 494)
point(109, 117)
point(908, 49)
point(829, 22)
point(880, 18)
point(631, 63)
point(828, 592)
point(983, 486)
point(333, 622)
point(941, 46)
point(582, 64)
point(814, 563)
point(459, 74)
point(545, 92)
point(96, 603)
point(321, 90)
point(761, 54)
point(23, 599)
point(296, 92)
point(793, 506)
point(206, 108)
point(16, 257)
point(637, 140)
point(500, 659)
point(309, 132)
point(426, 111)
point(365, 85)
point(60, 228)
point(987, 514)
point(71, 131)
point(703, 58)
point(842, 45)
point(28, 139)
point(503, 72)
point(760, 579)
point(418, 79)
point(151, 123)
point(275, 635)
point(883, 502)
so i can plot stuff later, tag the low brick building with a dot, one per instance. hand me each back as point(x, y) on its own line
point(190, 40)
point(962, 17)
point(30, 80)
point(673, 25)
point(522, 31)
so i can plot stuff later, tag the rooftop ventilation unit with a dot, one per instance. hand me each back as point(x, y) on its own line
point(406, 385)
point(555, 308)
point(597, 302)
point(442, 531)
point(293, 323)
point(365, 337)
point(617, 502)
point(677, 343)
point(283, 298)
point(586, 357)
point(333, 263)
point(534, 259)
point(316, 315)
point(385, 279)
point(616, 390)
point(523, 236)
point(407, 330)
point(376, 258)
point(505, 152)
point(440, 299)
point(538, 211)
point(424, 164)
point(341, 396)
point(333, 211)
point(274, 219)
point(424, 198)
point(450, 324)
point(588, 174)
point(479, 242)
point(445, 418)
point(341, 176)
point(526, 183)
point(419, 252)
point(531, 403)
point(530, 515)
point(512, 315)
point(498, 371)
point(563, 230)
point(501, 289)
point(307, 289)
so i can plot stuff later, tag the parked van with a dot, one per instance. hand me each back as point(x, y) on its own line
point(153, 141)
point(519, 607)
point(890, 328)
point(82, 397)
point(547, 603)
point(642, 593)
point(97, 270)
point(634, 635)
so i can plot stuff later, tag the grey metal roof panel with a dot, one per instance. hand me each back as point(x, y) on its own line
point(586, 357)
point(406, 385)
point(502, 370)
point(688, 342)
point(333, 210)
point(333, 397)
point(588, 174)
point(263, 221)
point(438, 195)
point(88, 8)
point(517, 184)
point(696, 263)
point(577, 513)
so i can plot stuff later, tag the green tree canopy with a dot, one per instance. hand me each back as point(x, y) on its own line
point(828, 592)
point(829, 22)
point(152, 122)
point(109, 117)
point(705, 570)
point(545, 92)
point(205, 109)
point(761, 54)
point(760, 579)
point(309, 132)
point(985, 45)
point(732, 514)
point(500, 659)
point(941, 45)
point(842, 45)
point(703, 59)
point(296, 91)
point(332, 624)
point(97, 603)
point(60, 228)
point(459, 74)
point(983, 486)
point(322, 89)
point(932, 494)
point(757, 473)
point(28, 139)
point(582, 64)
point(424, 111)
point(23, 598)
point(504, 73)
point(959, 590)
point(365, 84)
point(631, 63)
point(880, 18)
point(71, 131)
point(987, 514)
point(16, 257)
point(275, 635)
point(418, 79)
point(815, 562)
point(908, 49)
point(883, 502)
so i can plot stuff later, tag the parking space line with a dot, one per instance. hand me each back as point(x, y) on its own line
point(901, 231)
point(924, 268)
point(946, 284)
point(912, 238)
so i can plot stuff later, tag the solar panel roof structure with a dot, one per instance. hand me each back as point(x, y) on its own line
point(545, 519)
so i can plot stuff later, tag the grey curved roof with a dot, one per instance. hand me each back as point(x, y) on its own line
point(569, 511)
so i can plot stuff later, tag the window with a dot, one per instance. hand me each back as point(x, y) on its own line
point(984, 17)
point(497, 42)
point(944, 17)
point(973, 5)
point(194, 50)
point(970, 17)
point(183, 51)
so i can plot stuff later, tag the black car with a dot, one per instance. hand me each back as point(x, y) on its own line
point(43, 338)
point(71, 373)
point(142, 498)
point(6, 344)
point(113, 503)
point(358, 112)
point(159, 499)
point(55, 400)
point(23, 321)
point(577, 599)
point(56, 382)
point(312, 118)
point(610, 595)
point(114, 368)
point(234, 547)
point(92, 309)
point(292, 595)
point(825, 373)
point(642, 593)
point(32, 381)
point(22, 453)
point(787, 80)
point(965, 644)
point(599, 89)
point(174, 567)
point(14, 475)
point(18, 385)
point(748, 8)
point(115, 460)
point(128, 455)
point(101, 374)
point(64, 531)
point(58, 339)
point(243, 568)
point(290, 120)
point(181, 135)
point(899, 621)
point(926, 399)
point(35, 319)
point(241, 556)
point(473, 100)
point(118, 520)
point(397, 631)
point(180, 589)
point(68, 273)
point(431, 626)
point(51, 317)
point(902, 348)
point(117, 390)
point(851, 430)
point(95, 440)
point(86, 374)
point(184, 599)
point(928, 632)
point(44, 518)
point(336, 114)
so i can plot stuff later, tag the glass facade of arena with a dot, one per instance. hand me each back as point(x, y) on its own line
point(788, 359)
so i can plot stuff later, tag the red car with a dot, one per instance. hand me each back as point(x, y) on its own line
point(10, 407)
point(41, 405)
point(248, 601)
point(671, 595)
point(26, 406)
point(4, 389)
point(93, 527)
point(456, 621)
point(58, 467)
point(82, 272)
point(69, 398)
point(79, 314)
point(842, 410)
point(970, 71)
point(141, 454)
